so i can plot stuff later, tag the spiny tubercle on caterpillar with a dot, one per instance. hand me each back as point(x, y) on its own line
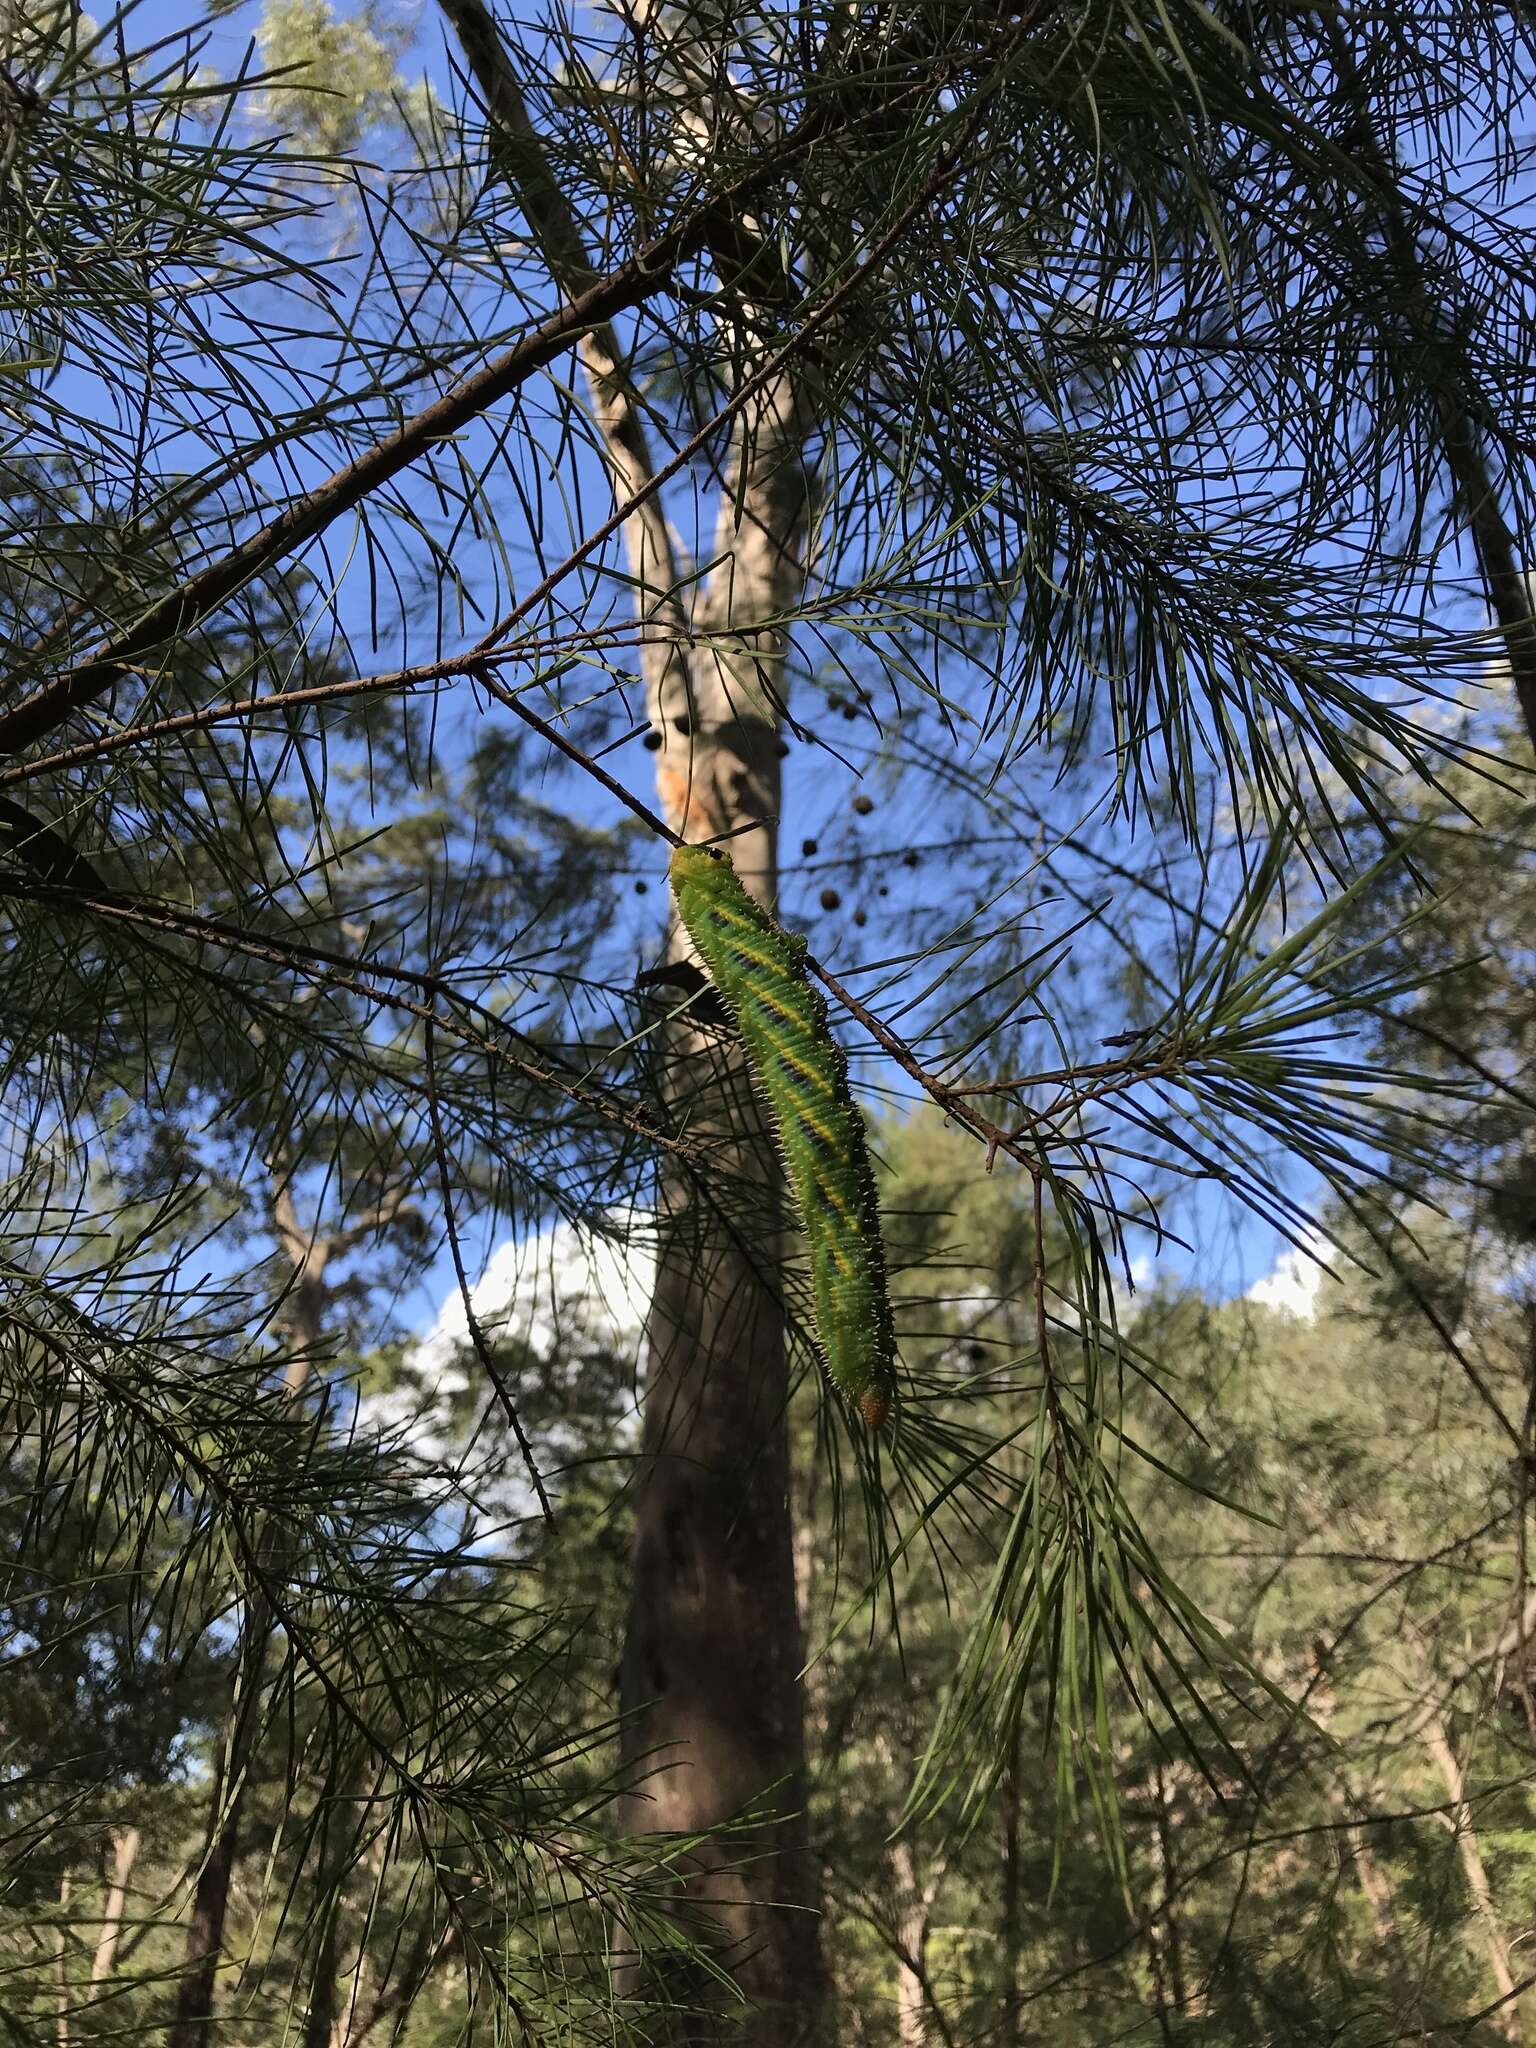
point(759, 970)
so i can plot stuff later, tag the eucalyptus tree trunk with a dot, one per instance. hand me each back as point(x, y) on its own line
point(709, 1687)
point(1507, 2015)
point(709, 1683)
point(61, 1997)
point(914, 1909)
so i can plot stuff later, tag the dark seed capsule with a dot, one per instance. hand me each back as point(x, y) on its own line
point(642, 888)
point(652, 742)
point(859, 917)
point(836, 702)
point(883, 890)
point(863, 805)
point(830, 899)
point(850, 712)
point(807, 847)
point(909, 859)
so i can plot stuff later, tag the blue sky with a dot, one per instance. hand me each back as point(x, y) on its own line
point(861, 857)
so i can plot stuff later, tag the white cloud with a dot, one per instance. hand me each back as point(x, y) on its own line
point(559, 1292)
point(537, 1288)
point(1293, 1282)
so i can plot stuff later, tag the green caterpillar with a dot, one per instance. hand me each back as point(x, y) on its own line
point(759, 971)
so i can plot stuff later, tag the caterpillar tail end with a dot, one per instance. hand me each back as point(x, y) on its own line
point(874, 1404)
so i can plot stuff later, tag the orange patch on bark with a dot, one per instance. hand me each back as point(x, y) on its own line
point(683, 802)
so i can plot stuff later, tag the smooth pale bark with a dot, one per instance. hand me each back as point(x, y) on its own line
point(126, 1843)
point(61, 1950)
point(914, 1907)
point(1495, 1943)
point(709, 1681)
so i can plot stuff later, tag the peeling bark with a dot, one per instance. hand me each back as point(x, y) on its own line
point(709, 1682)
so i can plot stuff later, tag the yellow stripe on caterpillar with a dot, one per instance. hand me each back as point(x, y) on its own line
point(800, 1069)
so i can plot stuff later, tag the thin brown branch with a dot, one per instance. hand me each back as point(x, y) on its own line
point(950, 164)
point(648, 273)
point(520, 157)
point(338, 971)
point(277, 703)
point(510, 699)
point(643, 277)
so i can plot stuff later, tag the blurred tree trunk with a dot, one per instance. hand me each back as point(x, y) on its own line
point(1165, 1947)
point(710, 1676)
point(1458, 405)
point(1495, 1944)
point(308, 1252)
point(61, 1952)
point(1373, 1883)
point(125, 1854)
point(203, 1946)
point(914, 1909)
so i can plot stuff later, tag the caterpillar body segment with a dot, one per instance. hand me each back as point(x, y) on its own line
point(802, 1074)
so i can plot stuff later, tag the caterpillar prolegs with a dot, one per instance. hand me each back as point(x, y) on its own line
point(800, 1069)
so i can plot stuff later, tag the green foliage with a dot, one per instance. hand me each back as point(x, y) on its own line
point(339, 74)
point(1369, 1566)
point(1128, 369)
